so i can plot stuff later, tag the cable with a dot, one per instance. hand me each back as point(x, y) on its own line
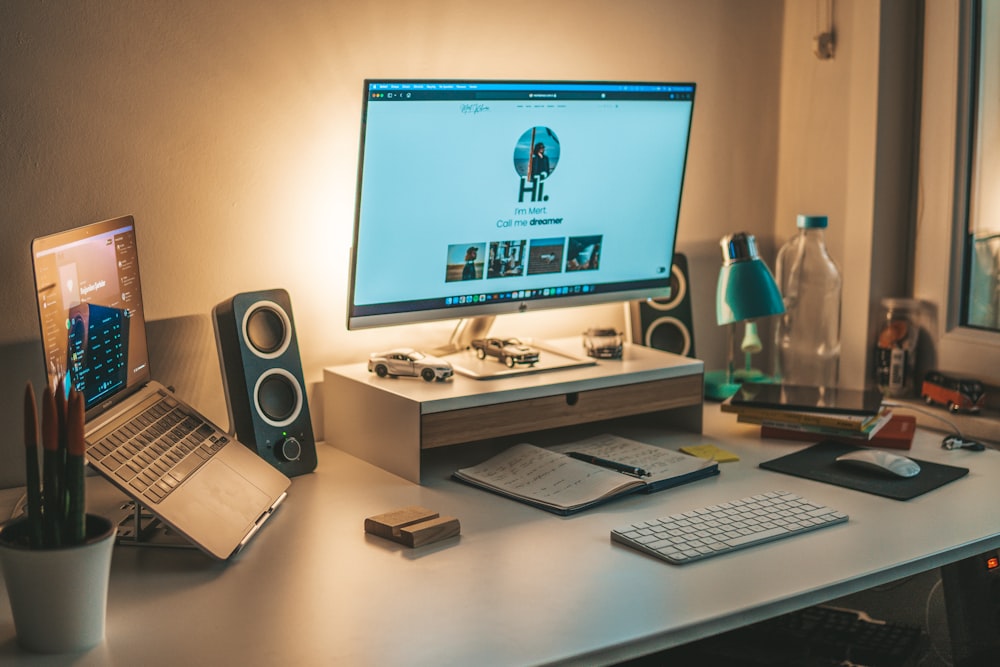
point(953, 441)
point(20, 507)
point(927, 623)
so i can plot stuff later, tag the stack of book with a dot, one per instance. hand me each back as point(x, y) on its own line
point(795, 413)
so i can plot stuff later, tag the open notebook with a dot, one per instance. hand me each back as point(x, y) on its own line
point(572, 477)
point(187, 472)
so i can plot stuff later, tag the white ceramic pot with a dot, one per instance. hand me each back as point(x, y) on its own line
point(58, 597)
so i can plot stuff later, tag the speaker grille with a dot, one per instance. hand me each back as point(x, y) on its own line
point(277, 397)
point(670, 334)
point(267, 329)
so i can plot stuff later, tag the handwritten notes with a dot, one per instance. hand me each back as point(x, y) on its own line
point(659, 462)
point(550, 479)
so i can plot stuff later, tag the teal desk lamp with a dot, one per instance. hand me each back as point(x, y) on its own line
point(746, 292)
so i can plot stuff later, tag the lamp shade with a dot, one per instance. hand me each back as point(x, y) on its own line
point(746, 288)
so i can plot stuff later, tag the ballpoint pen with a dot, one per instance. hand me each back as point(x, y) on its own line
point(613, 465)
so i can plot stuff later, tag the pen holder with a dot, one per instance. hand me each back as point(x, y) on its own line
point(58, 597)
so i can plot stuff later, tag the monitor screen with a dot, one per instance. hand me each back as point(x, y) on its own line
point(489, 197)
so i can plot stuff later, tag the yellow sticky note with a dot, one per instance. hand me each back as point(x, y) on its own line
point(710, 452)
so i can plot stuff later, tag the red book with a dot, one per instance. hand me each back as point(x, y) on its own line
point(896, 434)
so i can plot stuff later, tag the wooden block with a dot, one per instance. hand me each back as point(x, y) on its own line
point(412, 526)
point(387, 525)
point(427, 532)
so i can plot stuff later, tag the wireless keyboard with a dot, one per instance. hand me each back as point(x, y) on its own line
point(717, 529)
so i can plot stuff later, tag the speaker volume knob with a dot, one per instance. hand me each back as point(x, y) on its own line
point(288, 449)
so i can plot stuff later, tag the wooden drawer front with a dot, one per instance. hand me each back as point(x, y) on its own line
point(492, 421)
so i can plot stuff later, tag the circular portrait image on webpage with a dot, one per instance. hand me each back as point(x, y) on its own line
point(536, 153)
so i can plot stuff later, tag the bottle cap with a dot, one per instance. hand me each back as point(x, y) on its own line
point(811, 222)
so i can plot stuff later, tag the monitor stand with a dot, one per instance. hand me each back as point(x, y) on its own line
point(463, 358)
point(467, 330)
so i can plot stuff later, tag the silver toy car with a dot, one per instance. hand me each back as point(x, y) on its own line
point(603, 343)
point(407, 361)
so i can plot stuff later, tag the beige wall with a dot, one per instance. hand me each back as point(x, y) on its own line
point(847, 151)
point(230, 130)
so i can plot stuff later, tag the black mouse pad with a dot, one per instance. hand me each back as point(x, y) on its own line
point(817, 462)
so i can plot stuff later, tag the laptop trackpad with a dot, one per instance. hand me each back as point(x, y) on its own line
point(225, 492)
point(220, 507)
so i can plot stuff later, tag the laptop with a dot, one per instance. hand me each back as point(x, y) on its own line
point(181, 469)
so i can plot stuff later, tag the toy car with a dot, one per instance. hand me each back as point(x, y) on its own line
point(510, 351)
point(603, 343)
point(407, 361)
point(956, 393)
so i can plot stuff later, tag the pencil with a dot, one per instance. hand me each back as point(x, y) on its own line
point(74, 481)
point(50, 471)
point(62, 407)
point(32, 480)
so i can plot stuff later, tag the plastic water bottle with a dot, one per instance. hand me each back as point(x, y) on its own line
point(808, 334)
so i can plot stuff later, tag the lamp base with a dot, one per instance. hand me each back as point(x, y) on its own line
point(719, 385)
point(751, 375)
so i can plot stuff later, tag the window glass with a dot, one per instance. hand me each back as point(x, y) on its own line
point(982, 299)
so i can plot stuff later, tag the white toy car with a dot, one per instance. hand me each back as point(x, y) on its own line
point(407, 361)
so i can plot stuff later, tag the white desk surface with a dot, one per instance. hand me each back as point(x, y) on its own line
point(519, 586)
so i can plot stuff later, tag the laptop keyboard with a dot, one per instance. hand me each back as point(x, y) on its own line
point(157, 449)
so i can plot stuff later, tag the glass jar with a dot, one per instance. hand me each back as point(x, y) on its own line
point(896, 348)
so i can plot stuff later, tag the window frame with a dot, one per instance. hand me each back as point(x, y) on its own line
point(946, 135)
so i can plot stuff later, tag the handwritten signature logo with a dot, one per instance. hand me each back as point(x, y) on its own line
point(475, 108)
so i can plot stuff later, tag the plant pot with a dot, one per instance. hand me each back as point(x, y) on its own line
point(58, 597)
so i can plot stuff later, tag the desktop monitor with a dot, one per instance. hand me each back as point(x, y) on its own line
point(478, 198)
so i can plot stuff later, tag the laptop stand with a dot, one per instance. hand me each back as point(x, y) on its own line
point(140, 528)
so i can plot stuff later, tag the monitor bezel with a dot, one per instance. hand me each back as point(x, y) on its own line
point(649, 289)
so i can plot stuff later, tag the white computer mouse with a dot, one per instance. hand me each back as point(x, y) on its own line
point(879, 461)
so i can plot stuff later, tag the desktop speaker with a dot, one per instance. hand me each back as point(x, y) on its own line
point(262, 374)
point(666, 324)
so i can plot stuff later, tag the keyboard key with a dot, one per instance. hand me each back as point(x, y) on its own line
point(157, 450)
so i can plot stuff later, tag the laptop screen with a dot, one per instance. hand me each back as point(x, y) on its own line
point(90, 308)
